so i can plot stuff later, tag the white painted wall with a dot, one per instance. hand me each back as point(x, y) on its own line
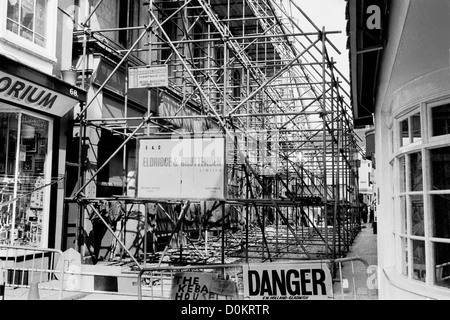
point(415, 68)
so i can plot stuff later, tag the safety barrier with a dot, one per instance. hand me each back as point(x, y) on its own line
point(27, 267)
point(21, 268)
point(349, 279)
point(352, 279)
point(156, 283)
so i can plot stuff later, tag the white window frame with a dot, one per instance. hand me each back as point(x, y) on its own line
point(14, 40)
point(424, 146)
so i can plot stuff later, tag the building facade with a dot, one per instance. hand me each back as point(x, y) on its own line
point(35, 108)
point(402, 78)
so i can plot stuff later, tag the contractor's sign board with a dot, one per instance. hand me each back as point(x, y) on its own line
point(181, 168)
point(287, 281)
point(148, 76)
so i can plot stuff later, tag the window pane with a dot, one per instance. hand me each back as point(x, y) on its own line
point(441, 120)
point(440, 168)
point(403, 214)
point(30, 217)
point(404, 133)
point(404, 253)
point(417, 226)
point(13, 10)
point(41, 9)
point(441, 215)
point(442, 258)
point(419, 270)
point(416, 171)
point(27, 14)
point(416, 132)
point(402, 169)
point(8, 144)
point(13, 17)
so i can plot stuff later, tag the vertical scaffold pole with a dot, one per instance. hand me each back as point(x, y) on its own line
point(324, 136)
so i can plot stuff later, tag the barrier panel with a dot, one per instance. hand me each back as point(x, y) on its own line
point(339, 279)
point(354, 279)
point(29, 267)
point(24, 270)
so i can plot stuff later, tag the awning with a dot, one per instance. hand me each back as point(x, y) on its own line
point(366, 46)
point(30, 88)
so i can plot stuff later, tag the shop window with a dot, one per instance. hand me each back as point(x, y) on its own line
point(28, 19)
point(24, 175)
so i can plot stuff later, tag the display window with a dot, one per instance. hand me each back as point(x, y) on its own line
point(25, 165)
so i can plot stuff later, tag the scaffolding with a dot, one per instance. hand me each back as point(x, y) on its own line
point(248, 70)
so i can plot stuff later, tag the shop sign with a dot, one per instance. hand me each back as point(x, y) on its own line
point(287, 281)
point(181, 167)
point(35, 96)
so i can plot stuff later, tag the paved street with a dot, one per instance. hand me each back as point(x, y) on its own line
point(358, 283)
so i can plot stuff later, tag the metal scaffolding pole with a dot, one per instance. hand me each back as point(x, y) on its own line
point(265, 76)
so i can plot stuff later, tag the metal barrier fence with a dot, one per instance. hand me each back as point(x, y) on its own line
point(23, 267)
point(349, 278)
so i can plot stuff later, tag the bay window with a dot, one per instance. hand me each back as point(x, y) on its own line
point(422, 193)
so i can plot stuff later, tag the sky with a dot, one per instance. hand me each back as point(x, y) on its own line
point(331, 15)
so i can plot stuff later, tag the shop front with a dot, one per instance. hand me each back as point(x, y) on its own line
point(34, 113)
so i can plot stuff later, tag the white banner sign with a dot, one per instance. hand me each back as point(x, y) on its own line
point(287, 281)
point(187, 168)
point(202, 286)
point(148, 77)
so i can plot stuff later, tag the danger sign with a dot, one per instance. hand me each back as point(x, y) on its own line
point(286, 281)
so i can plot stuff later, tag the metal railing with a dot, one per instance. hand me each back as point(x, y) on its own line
point(20, 267)
point(349, 278)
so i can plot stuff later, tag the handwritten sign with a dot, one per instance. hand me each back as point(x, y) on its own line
point(148, 76)
point(201, 286)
